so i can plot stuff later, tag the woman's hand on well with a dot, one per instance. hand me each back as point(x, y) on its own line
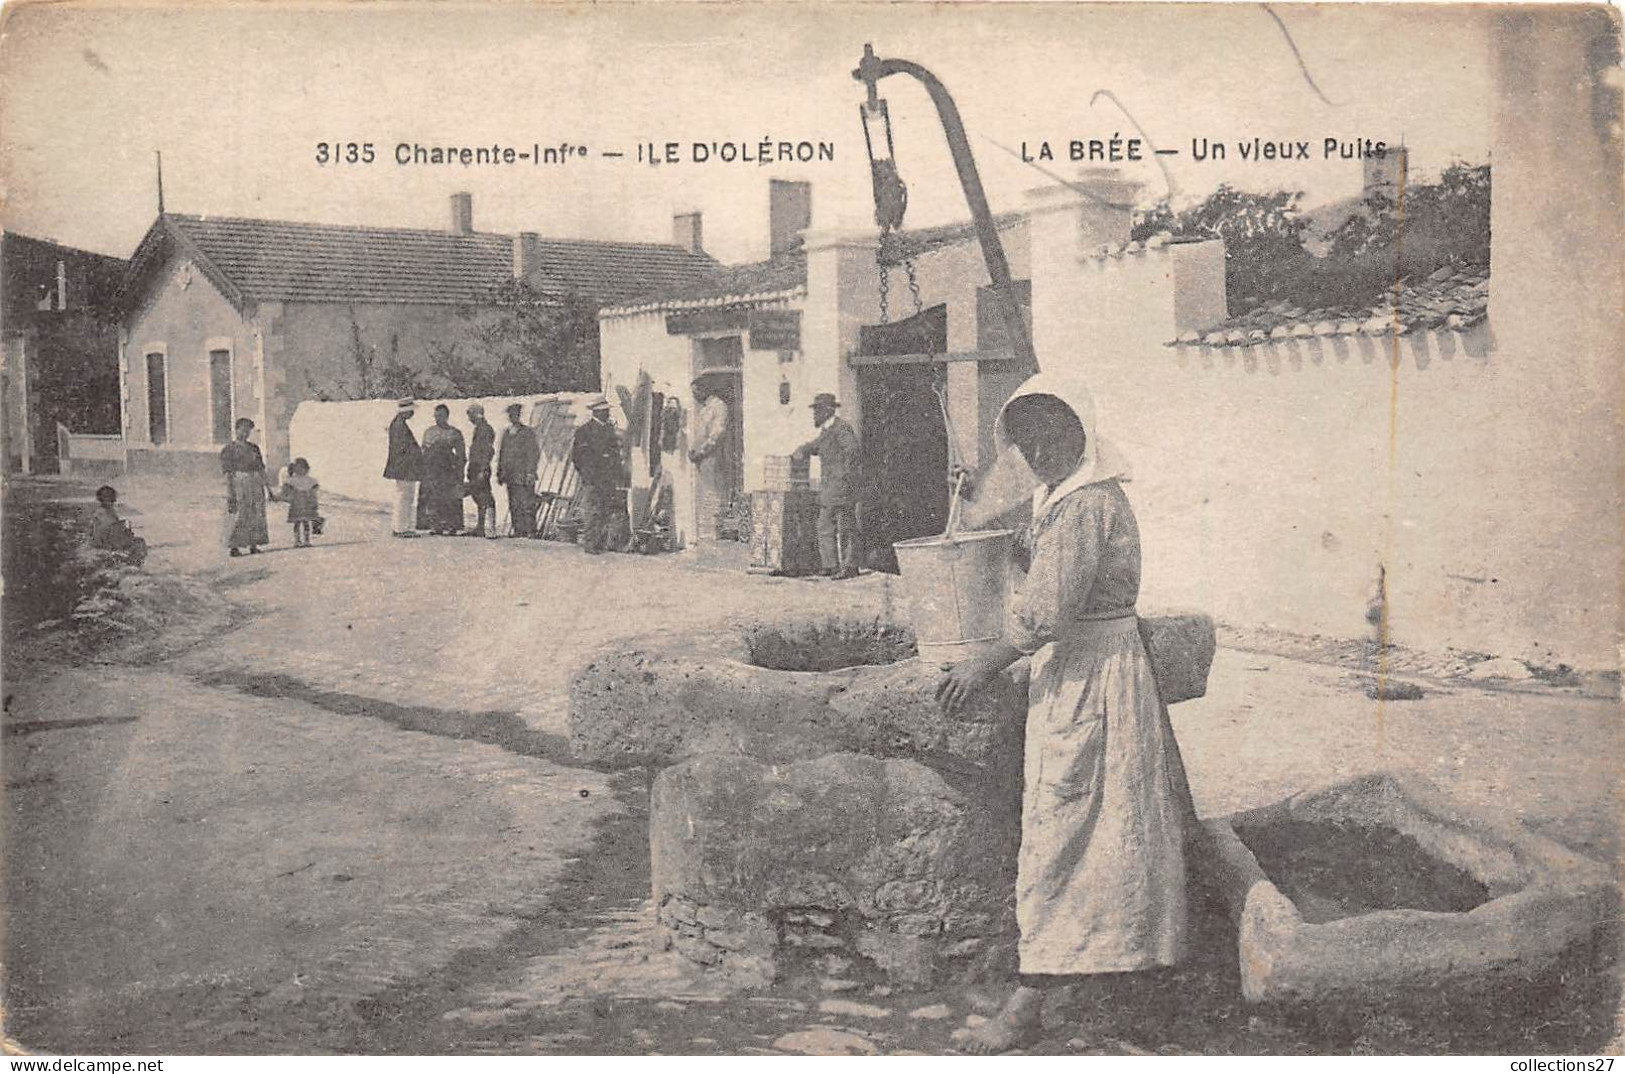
point(961, 681)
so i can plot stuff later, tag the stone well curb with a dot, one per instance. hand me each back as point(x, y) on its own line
point(658, 700)
point(669, 699)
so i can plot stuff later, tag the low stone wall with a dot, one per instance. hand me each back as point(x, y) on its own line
point(177, 462)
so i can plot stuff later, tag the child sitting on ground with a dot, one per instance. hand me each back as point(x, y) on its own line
point(298, 491)
point(111, 533)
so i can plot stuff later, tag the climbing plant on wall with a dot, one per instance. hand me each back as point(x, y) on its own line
point(360, 374)
point(1380, 242)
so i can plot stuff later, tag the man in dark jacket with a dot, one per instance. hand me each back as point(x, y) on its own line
point(596, 455)
point(404, 466)
point(482, 448)
point(836, 446)
point(516, 469)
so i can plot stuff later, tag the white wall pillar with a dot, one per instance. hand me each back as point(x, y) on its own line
point(843, 295)
point(1074, 306)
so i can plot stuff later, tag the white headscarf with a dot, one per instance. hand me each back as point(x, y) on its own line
point(1101, 460)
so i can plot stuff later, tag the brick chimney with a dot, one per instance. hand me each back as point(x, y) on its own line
point(462, 214)
point(1100, 301)
point(686, 232)
point(789, 213)
point(527, 254)
point(1385, 175)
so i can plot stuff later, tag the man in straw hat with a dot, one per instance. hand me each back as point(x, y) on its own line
point(596, 454)
point(836, 446)
point(404, 466)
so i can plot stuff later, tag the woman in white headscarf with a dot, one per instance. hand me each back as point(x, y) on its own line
point(1101, 874)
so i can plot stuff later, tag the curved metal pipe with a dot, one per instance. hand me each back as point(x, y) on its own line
point(870, 70)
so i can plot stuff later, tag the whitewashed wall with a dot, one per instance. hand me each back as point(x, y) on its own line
point(1479, 468)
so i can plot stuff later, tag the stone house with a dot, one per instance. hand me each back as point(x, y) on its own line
point(227, 317)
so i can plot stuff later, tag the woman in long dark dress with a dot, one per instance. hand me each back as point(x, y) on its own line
point(440, 498)
point(246, 486)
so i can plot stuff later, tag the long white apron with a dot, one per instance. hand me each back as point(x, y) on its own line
point(1100, 882)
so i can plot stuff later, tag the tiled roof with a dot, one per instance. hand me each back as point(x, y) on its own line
point(786, 275)
point(907, 244)
point(294, 262)
point(1452, 298)
point(28, 274)
point(778, 277)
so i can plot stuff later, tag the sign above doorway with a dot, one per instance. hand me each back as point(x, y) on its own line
point(767, 330)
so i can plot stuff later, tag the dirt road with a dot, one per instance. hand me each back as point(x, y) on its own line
point(351, 823)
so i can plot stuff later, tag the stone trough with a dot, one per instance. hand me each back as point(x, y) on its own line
point(1382, 884)
point(815, 814)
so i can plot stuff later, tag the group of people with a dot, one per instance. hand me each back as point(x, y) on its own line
point(433, 477)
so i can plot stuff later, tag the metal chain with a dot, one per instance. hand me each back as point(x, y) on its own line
point(885, 291)
point(913, 284)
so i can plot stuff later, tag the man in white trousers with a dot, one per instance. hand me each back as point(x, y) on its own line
point(404, 467)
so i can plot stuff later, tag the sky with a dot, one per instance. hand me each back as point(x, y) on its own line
point(238, 96)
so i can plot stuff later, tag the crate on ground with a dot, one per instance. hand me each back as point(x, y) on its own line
point(785, 473)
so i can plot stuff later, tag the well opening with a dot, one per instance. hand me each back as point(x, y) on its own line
point(1333, 870)
point(827, 646)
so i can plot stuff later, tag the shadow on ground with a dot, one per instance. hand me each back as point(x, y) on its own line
point(505, 730)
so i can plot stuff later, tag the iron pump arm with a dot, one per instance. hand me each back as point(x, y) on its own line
point(871, 69)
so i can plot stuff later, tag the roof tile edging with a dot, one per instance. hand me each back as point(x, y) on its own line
point(1236, 339)
point(711, 302)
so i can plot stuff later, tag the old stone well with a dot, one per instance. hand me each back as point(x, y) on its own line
point(815, 815)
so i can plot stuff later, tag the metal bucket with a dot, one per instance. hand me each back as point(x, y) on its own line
point(954, 589)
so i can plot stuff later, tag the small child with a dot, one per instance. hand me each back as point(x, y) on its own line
point(111, 533)
point(298, 491)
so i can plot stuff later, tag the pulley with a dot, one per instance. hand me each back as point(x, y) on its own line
point(891, 193)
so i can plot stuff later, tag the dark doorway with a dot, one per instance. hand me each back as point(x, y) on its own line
point(903, 442)
point(720, 505)
point(220, 394)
